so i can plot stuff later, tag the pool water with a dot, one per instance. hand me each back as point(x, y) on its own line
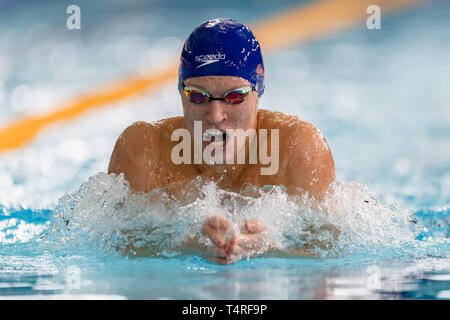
point(380, 97)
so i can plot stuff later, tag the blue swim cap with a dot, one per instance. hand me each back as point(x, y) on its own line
point(222, 47)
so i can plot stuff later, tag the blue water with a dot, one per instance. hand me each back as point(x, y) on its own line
point(380, 98)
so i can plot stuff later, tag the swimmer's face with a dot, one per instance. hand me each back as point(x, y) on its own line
point(217, 114)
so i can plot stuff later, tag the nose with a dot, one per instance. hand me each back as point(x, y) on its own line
point(216, 112)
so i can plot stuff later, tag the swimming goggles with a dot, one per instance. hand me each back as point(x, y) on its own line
point(233, 97)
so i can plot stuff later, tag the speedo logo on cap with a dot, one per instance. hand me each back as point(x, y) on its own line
point(209, 58)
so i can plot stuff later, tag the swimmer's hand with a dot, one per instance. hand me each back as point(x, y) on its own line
point(252, 241)
point(226, 247)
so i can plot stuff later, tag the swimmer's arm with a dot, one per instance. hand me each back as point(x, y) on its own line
point(311, 165)
point(135, 154)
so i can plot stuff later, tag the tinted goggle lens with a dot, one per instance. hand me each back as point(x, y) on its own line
point(236, 97)
point(198, 96)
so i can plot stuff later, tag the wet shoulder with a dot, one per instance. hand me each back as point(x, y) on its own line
point(165, 127)
point(268, 119)
point(135, 135)
point(143, 137)
point(142, 130)
point(293, 131)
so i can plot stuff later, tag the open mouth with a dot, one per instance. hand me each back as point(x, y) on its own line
point(215, 138)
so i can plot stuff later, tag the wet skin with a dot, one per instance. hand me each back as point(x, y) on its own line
point(143, 153)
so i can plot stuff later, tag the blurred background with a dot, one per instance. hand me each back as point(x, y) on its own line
point(380, 97)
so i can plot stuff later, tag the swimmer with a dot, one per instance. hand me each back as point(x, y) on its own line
point(224, 137)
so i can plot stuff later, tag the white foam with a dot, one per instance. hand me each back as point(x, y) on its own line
point(105, 214)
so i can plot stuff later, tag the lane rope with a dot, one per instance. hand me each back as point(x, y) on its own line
point(296, 25)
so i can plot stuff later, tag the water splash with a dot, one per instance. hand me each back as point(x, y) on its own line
point(20, 225)
point(106, 216)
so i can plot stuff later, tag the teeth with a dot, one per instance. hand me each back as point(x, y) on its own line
point(208, 134)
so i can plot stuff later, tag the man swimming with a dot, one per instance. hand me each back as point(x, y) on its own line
point(225, 137)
